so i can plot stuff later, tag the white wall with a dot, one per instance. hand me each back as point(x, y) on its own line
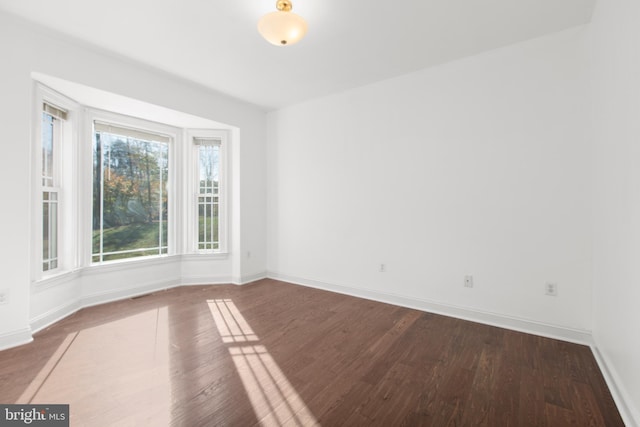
point(14, 168)
point(25, 49)
point(615, 33)
point(480, 166)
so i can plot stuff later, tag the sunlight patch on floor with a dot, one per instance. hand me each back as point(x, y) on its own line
point(39, 380)
point(136, 348)
point(273, 398)
point(231, 324)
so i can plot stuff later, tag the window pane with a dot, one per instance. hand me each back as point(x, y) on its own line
point(214, 226)
point(45, 230)
point(129, 198)
point(53, 228)
point(49, 230)
point(53, 220)
point(49, 198)
point(47, 150)
point(202, 223)
point(209, 168)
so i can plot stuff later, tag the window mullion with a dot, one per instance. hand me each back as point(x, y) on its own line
point(101, 169)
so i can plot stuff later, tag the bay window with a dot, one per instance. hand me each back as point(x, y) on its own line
point(111, 187)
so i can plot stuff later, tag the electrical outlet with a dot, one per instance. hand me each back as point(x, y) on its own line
point(383, 268)
point(4, 296)
point(468, 281)
point(551, 289)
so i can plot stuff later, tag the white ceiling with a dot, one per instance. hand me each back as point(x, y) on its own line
point(350, 43)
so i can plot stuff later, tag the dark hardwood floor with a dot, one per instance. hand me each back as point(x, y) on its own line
point(273, 353)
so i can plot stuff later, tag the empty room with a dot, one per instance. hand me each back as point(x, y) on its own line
point(311, 212)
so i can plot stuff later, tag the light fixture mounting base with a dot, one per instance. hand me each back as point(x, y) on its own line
point(284, 5)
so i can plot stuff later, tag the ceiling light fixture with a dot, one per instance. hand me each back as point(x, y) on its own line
point(283, 27)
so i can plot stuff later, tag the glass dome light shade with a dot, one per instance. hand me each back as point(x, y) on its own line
point(282, 28)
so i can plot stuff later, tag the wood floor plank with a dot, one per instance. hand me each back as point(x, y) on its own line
point(273, 353)
point(483, 389)
point(531, 407)
point(585, 406)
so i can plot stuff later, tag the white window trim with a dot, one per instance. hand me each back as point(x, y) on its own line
point(66, 185)
point(191, 212)
point(174, 134)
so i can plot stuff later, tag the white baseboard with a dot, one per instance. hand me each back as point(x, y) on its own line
point(42, 321)
point(522, 325)
point(54, 315)
point(245, 280)
point(58, 313)
point(205, 280)
point(15, 338)
point(630, 414)
point(120, 294)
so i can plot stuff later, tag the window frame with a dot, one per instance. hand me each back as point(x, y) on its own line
point(65, 174)
point(120, 120)
point(54, 187)
point(193, 180)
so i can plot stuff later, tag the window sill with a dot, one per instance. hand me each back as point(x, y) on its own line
point(55, 279)
point(206, 255)
point(62, 277)
point(119, 264)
